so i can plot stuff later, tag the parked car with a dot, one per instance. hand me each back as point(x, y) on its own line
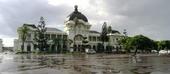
point(71, 50)
point(90, 51)
point(164, 52)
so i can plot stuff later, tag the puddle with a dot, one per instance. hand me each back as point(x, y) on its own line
point(83, 64)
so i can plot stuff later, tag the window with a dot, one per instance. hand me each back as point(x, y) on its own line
point(78, 38)
point(29, 36)
point(98, 38)
point(94, 38)
point(59, 36)
point(90, 38)
point(53, 36)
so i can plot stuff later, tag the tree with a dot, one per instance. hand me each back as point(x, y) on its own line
point(156, 46)
point(138, 42)
point(23, 32)
point(103, 35)
point(57, 43)
point(109, 29)
point(65, 43)
point(100, 48)
point(142, 43)
point(109, 47)
point(165, 44)
point(40, 38)
point(126, 44)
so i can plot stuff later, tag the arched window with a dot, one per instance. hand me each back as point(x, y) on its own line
point(78, 37)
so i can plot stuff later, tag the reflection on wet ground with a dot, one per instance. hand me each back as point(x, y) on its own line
point(83, 64)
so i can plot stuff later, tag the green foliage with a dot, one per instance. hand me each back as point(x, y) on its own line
point(57, 43)
point(138, 42)
point(109, 29)
point(104, 37)
point(108, 49)
point(156, 46)
point(23, 32)
point(141, 42)
point(40, 38)
point(64, 41)
point(126, 43)
point(100, 48)
point(165, 44)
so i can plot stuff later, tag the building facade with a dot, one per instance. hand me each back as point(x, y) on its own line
point(51, 33)
point(76, 30)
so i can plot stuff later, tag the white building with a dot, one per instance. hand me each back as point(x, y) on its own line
point(76, 30)
point(77, 27)
point(51, 34)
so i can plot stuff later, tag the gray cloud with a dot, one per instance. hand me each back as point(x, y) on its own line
point(148, 17)
point(17, 12)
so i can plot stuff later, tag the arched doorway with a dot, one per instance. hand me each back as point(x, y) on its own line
point(94, 47)
point(78, 42)
point(75, 47)
point(79, 48)
point(28, 48)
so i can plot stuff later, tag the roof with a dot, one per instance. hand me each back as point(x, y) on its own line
point(92, 31)
point(77, 14)
point(30, 25)
point(49, 29)
point(53, 29)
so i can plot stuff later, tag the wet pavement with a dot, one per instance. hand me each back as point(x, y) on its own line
point(83, 64)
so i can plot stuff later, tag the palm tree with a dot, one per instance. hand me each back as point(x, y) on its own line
point(23, 32)
point(57, 42)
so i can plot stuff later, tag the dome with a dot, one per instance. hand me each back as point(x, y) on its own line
point(77, 14)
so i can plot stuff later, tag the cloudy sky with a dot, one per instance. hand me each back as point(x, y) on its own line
point(147, 17)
